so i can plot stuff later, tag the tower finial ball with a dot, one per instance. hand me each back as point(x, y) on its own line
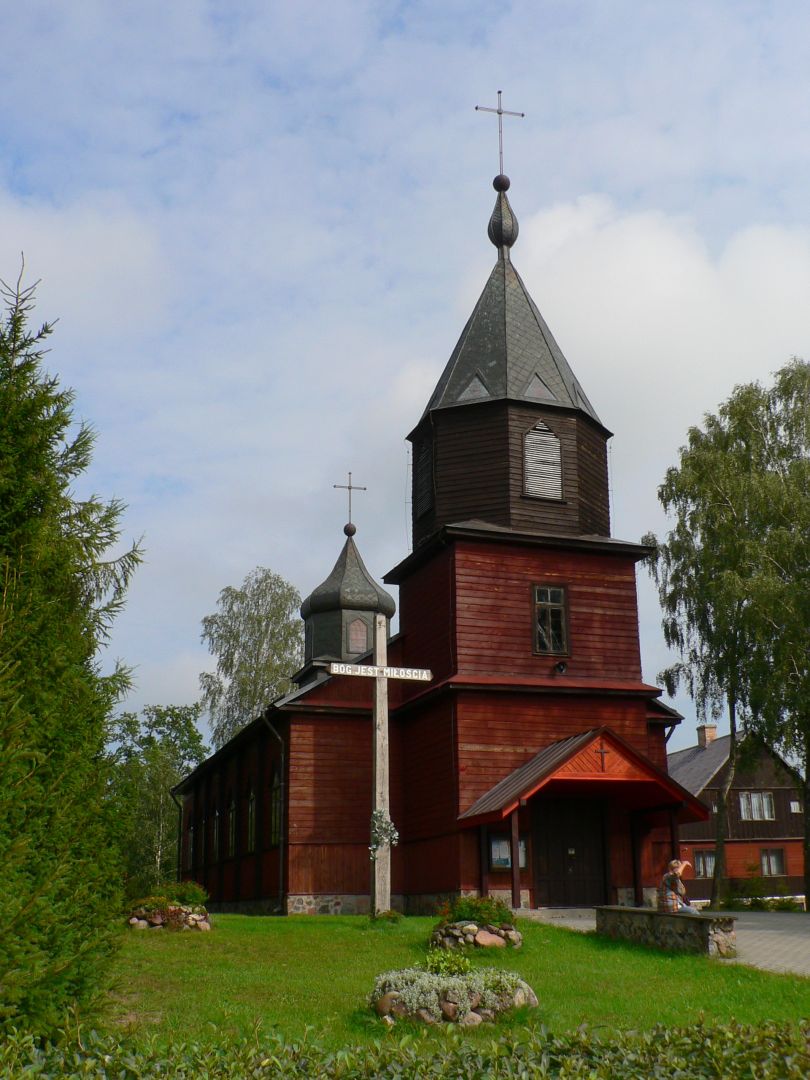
point(501, 182)
point(350, 529)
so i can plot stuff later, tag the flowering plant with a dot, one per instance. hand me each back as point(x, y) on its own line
point(383, 831)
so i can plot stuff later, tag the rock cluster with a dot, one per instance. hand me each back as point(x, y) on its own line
point(173, 917)
point(451, 1000)
point(483, 935)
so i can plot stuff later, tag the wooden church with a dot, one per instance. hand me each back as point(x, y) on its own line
point(533, 765)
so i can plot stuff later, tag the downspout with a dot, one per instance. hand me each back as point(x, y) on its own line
point(179, 832)
point(283, 823)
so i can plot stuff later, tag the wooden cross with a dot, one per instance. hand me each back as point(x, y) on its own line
point(350, 487)
point(602, 751)
point(381, 673)
point(501, 112)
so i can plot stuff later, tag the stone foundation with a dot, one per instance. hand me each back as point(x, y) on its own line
point(712, 935)
point(335, 904)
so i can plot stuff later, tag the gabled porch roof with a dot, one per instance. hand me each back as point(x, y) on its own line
point(593, 764)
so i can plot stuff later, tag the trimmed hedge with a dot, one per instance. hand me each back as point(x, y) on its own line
point(762, 1052)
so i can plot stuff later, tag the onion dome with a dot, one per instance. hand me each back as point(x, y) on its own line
point(503, 225)
point(339, 614)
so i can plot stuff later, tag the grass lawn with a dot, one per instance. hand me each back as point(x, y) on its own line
point(298, 972)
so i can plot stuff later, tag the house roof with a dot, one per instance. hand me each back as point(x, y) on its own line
point(506, 350)
point(694, 767)
point(572, 761)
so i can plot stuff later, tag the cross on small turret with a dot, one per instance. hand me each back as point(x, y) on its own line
point(500, 112)
point(350, 487)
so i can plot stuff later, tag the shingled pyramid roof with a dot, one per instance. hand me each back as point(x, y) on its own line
point(506, 350)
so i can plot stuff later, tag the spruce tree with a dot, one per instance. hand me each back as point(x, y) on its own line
point(59, 590)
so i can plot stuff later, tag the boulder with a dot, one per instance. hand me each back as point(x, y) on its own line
point(386, 1002)
point(203, 925)
point(449, 1010)
point(486, 939)
point(472, 1019)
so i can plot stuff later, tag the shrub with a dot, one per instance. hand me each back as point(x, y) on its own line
point(419, 989)
point(444, 962)
point(768, 1051)
point(478, 909)
point(386, 918)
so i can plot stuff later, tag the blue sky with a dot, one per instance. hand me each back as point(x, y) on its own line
point(263, 226)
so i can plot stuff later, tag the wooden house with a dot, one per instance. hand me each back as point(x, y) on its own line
point(533, 765)
point(765, 816)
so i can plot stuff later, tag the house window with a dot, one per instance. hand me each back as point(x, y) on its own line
point(215, 834)
point(251, 820)
point(756, 806)
point(500, 853)
point(772, 861)
point(232, 827)
point(704, 864)
point(542, 463)
point(795, 806)
point(275, 809)
point(190, 846)
point(203, 837)
point(358, 636)
point(550, 620)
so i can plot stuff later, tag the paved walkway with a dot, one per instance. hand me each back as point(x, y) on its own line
point(771, 940)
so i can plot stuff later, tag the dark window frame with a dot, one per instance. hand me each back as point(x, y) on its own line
point(766, 856)
point(701, 856)
point(767, 802)
point(566, 620)
point(506, 864)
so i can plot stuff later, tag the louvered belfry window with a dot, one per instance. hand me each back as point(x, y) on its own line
point(542, 463)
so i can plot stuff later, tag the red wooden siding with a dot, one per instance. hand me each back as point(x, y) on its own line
point(499, 732)
point(495, 615)
point(427, 617)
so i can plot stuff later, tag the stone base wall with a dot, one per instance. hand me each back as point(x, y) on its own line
point(712, 935)
point(626, 897)
point(335, 904)
point(247, 907)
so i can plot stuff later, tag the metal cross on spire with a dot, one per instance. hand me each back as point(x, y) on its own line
point(350, 487)
point(501, 112)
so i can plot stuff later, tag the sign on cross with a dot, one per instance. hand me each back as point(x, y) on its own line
point(381, 673)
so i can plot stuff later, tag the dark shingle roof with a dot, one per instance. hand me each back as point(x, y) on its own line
point(349, 586)
point(506, 350)
point(694, 767)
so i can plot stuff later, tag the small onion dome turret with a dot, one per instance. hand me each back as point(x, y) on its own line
point(339, 614)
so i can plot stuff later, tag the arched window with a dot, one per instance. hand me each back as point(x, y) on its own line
point(251, 820)
point(542, 463)
point(232, 827)
point(357, 633)
point(275, 808)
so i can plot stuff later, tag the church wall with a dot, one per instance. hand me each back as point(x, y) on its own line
point(495, 614)
point(469, 441)
point(499, 732)
point(426, 618)
point(594, 485)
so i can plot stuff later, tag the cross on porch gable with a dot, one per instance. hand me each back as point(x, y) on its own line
point(602, 752)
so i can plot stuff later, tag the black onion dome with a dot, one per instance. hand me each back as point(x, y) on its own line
point(503, 225)
point(349, 586)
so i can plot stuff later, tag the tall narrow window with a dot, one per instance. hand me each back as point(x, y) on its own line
point(550, 620)
point(251, 820)
point(232, 827)
point(275, 809)
point(190, 846)
point(215, 834)
point(542, 463)
point(203, 837)
point(422, 478)
point(756, 806)
point(357, 633)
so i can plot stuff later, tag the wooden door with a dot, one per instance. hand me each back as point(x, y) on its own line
point(568, 851)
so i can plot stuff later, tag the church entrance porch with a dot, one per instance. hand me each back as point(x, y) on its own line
point(568, 852)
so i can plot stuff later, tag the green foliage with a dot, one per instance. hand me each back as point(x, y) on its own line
point(59, 591)
point(187, 893)
point(445, 962)
point(419, 989)
point(478, 909)
point(149, 756)
point(733, 575)
point(386, 918)
point(256, 635)
point(769, 1051)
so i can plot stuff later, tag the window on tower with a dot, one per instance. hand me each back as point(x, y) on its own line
point(550, 620)
point(358, 636)
point(542, 463)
